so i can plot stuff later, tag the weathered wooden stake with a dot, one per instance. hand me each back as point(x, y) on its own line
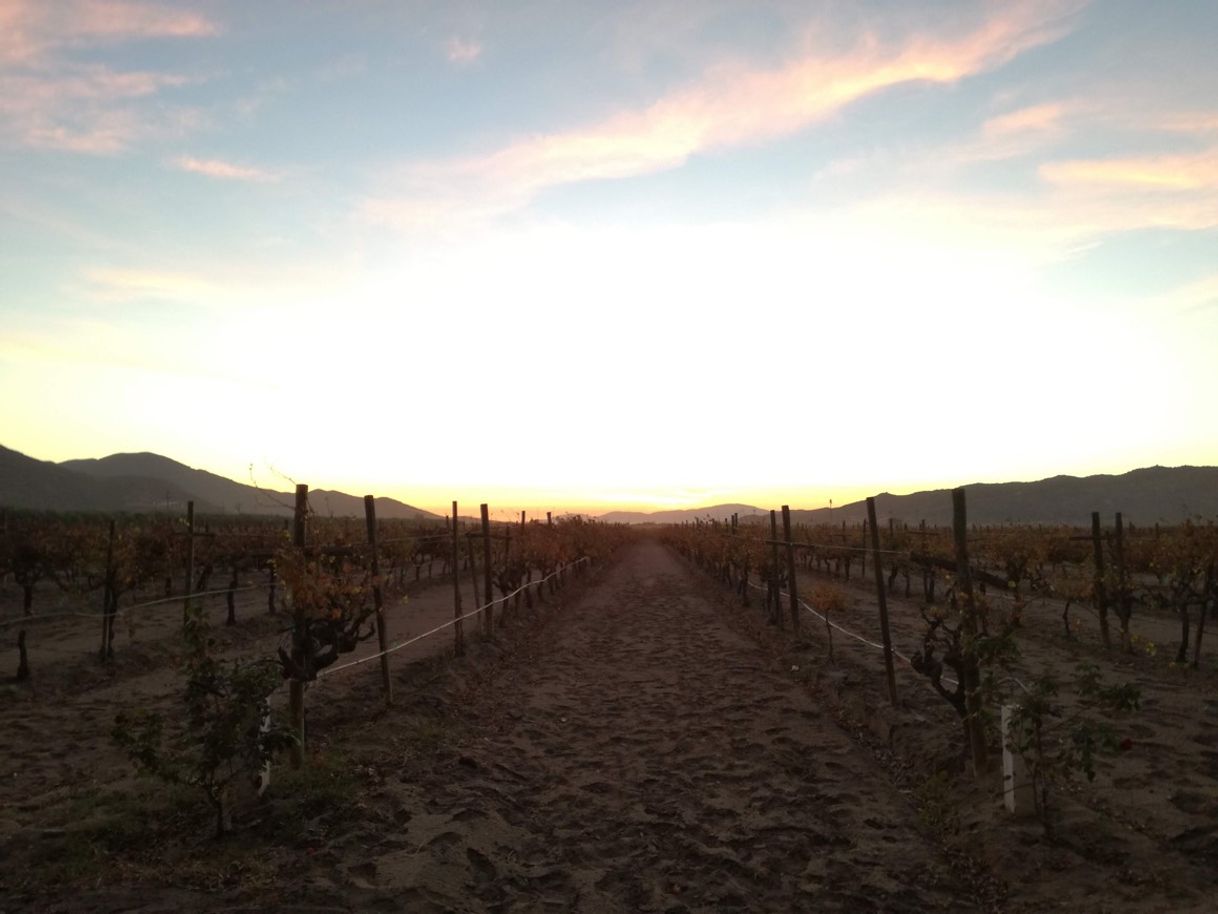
point(231, 597)
point(378, 599)
point(791, 587)
point(488, 591)
point(190, 558)
point(1123, 608)
point(1101, 593)
point(775, 609)
point(458, 626)
point(23, 660)
point(1018, 792)
point(296, 720)
point(881, 596)
point(108, 600)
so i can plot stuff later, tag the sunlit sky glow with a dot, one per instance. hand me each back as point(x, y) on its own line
point(608, 255)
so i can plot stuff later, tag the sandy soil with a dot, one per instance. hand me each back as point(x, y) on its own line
point(1142, 837)
point(645, 743)
point(58, 725)
point(650, 758)
point(633, 751)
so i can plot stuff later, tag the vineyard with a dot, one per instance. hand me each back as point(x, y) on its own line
point(1040, 701)
point(67, 570)
point(1060, 673)
point(197, 650)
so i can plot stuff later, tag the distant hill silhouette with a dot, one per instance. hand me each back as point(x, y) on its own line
point(676, 516)
point(1145, 496)
point(44, 486)
point(144, 482)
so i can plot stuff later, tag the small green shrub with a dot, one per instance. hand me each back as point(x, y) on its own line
point(224, 739)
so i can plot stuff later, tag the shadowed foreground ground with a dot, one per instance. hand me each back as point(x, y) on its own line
point(648, 758)
point(631, 752)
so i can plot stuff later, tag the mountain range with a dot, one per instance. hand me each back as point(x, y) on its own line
point(1146, 496)
point(677, 515)
point(143, 483)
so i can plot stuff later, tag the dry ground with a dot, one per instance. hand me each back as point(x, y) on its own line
point(1142, 837)
point(642, 743)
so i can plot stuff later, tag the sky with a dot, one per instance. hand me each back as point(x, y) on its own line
point(612, 255)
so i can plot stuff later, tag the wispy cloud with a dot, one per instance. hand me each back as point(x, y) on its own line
point(1167, 172)
point(1191, 122)
point(731, 106)
point(228, 283)
point(1052, 207)
point(229, 171)
point(462, 51)
point(1201, 295)
point(1033, 119)
point(117, 284)
point(31, 28)
point(48, 99)
point(87, 109)
point(1046, 227)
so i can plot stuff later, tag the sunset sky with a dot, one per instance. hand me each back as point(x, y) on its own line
point(619, 254)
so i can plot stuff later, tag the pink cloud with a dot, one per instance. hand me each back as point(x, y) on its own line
point(1194, 122)
point(31, 28)
point(85, 109)
point(462, 51)
point(1033, 119)
point(117, 19)
point(217, 168)
point(1196, 171)
point(49, 101)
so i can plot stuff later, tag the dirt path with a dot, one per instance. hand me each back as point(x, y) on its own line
point(650, 758)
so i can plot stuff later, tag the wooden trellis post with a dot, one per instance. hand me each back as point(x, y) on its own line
point(775, 609)
point(378, 600)
point(23, 660)
point(190, 558)
point(1101, 593)
point(792, 590)
point(109, 600)
point(881, 596)
point(487, 584)
point(458, 626)
point(296, 721)
point(1123, 610)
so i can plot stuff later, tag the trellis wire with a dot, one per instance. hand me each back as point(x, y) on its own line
point(449, 624)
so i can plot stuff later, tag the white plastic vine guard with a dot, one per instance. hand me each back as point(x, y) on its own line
point(1017, 792)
